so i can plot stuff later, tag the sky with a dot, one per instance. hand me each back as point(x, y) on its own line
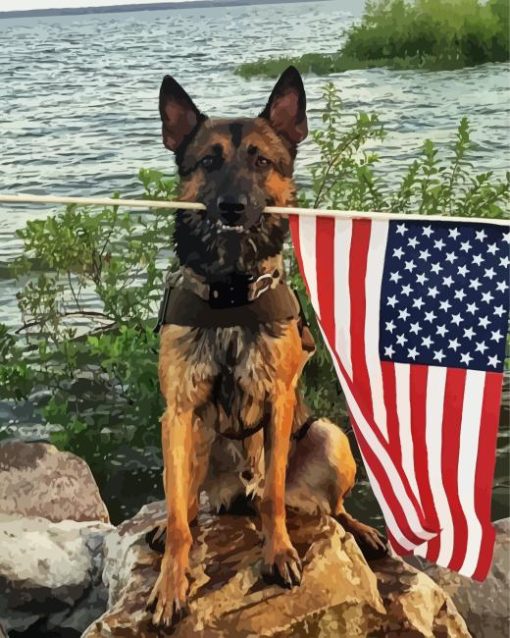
point(21, 5)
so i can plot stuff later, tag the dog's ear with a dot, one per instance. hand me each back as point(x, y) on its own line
point(286, 108)
point(178, 113)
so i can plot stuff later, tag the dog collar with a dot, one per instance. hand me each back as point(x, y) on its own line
point(235, 289)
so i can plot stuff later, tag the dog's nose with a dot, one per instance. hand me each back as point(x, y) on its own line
point(231, 208)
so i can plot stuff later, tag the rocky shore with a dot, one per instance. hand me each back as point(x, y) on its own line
point(66, 572)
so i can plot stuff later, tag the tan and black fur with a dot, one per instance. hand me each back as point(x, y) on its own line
point(232, 402)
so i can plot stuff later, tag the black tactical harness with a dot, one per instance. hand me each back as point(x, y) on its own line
point(227, 303)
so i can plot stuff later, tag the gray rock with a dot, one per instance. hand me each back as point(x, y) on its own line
point(38, 480)
point(50, 574)
point(484, 606)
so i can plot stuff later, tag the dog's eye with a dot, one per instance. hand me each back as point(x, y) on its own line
point(208, 161)
point(262, 161)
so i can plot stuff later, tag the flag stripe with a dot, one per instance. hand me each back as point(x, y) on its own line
point(402, 382)
point(325, 238)
point(357, 276)
point(486, 463)
point(343, 234)
point(308, 247)
point(373, 282)
point(390, 399)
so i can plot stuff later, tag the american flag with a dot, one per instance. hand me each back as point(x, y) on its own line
point(415, 315)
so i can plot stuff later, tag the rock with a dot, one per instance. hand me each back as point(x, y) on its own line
point(50, 575)
point(340, 596)
point(38, 480)
point(484, 606)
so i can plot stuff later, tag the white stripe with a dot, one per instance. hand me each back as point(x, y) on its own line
point(381, 453)
point(436, 385)
point(307, 239)
point(343, 234)
point(387, 513)
point(468, 453)
point(403, 396)
point(373, 284)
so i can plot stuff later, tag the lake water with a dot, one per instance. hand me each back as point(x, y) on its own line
point(78, 101)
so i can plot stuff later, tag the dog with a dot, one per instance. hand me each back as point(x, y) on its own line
point(234, 343)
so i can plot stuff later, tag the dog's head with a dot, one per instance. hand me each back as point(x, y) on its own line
point(236, 167)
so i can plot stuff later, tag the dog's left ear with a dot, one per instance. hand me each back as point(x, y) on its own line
point(179, 115)
point(286, 108)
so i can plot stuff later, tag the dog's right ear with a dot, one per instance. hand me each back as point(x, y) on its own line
point(178, 113)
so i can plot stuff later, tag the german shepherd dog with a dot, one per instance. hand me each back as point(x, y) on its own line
point(233, 423)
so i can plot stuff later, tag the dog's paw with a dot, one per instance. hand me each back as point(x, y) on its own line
point(156, 538)
point(372, 543)
point(282, 566)
point(168, 602)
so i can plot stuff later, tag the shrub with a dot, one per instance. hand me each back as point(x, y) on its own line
point(403, 34)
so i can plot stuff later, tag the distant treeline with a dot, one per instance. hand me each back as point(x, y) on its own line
point(155, 6)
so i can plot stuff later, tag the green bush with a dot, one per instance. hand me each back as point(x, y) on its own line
point(403, 34)
point(91, 282)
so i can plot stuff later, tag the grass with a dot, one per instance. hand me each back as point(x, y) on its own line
point(410, 34)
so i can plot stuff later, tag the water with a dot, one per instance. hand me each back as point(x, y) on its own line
point(78, 106)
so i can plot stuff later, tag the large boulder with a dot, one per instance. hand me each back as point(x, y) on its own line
point(340, 595)
point(484, 606)
point(50, 575)
point(38, 480)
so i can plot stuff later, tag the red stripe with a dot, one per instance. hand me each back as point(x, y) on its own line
point(390, 497)
point(396, 546)
point(451, 425)
point(418, 398)
point(296, 241)
point(360, 242)
point(485, 466)
point(390, 402)
point(325, 256)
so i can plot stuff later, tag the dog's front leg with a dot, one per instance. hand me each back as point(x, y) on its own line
point(168, 599)
point(281, 561)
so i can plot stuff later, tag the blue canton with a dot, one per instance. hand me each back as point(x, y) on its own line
point(445, 295)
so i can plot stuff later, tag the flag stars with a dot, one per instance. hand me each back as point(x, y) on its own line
point(472, 308)
point(487, 297)
point(493, 361)
point(402, 229)
point(403, 314)
point(457, 319)
point(412, 353)
point(451, 257)
point(466, 358)
point(445, 305)
point(433, 292)
point(439, 355)
point(389, 351)
point(492, 249)
point(390, 326)
point(478, 259)
point(410, 266)
point(398, 253)
point(463, 270)
point(427, 231)
point(481, 347)
point(502, 286)
point(465, 246)
point(407, 290)
point(469, 333)
point(453, 345)
point(439, 244)
point(422, 278)
point(460, 294)
point(481, 235)
point(496, 336)
point(413, 242)
point(504, 261)
point(499, 311)
point(490, 273)
point(474, 283)
point(441, 330)
point(447, 281)
point(424, 254)
point(453, 233)
point(418, 303)
point(436, 268)
point(401, 340)
point(415, 328)
point(426, 342)
point(395, 276)
point(392, 301)
point(483, 322)
point(430, 316)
